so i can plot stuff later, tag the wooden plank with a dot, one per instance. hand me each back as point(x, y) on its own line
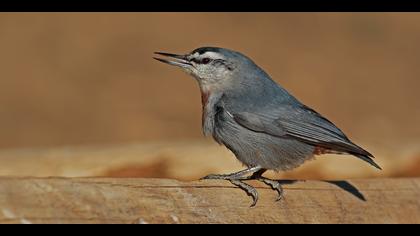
point(124, 200)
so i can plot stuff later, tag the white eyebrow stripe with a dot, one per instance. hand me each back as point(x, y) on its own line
point(212, 55)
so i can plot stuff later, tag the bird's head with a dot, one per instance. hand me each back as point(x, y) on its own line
point(212, 67)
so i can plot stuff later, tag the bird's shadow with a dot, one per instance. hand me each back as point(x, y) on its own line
point(348, 187)
point(344, 185)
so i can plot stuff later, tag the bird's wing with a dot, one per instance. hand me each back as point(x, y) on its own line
point(300, 122)
point(259, 123)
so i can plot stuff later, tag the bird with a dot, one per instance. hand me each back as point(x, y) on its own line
point(261, 123)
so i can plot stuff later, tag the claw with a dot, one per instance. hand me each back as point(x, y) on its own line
point(248, 189)
point(275, 185)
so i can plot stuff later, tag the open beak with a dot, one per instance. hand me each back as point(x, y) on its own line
point(177, 60)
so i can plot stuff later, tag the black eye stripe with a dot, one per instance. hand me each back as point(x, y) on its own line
point(207, 60)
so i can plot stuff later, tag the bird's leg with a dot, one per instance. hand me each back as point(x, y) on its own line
point(237, 179)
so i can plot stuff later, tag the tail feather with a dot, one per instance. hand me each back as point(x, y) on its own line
point(355, 151)
point(367, 159)
point(364, 155)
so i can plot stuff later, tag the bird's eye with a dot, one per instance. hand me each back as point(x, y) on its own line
point(205, 60)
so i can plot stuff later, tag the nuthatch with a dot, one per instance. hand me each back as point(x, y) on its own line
point(258, 120)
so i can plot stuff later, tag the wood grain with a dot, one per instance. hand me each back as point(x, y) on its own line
point(125, 200)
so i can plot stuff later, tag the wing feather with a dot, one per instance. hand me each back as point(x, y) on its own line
point(303, 123)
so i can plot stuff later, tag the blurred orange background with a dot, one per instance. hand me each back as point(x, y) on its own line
point(83, 79)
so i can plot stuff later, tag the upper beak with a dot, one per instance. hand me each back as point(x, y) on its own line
point(178, 60)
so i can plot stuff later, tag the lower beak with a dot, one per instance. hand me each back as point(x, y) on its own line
point(177, 60)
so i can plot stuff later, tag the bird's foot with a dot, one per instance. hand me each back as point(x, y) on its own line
point(237, 180)
point(274, 184)
point(251, 191)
